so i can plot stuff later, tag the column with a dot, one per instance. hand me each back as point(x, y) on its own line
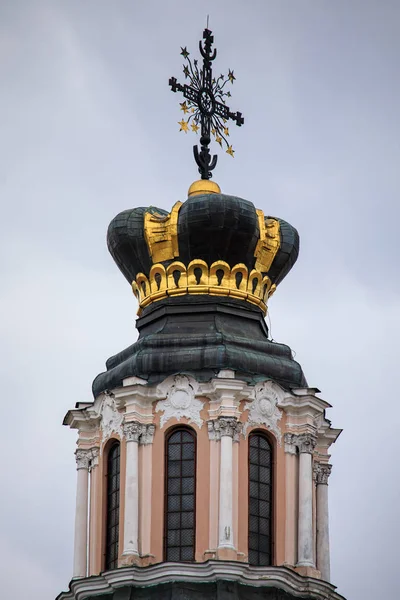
point(213, 436)
point(93, 516)
point(146, 441)
point(228, 427)
point(291, 498)
point(323, 554)
point(306, 445)
point(81, 513)
point(132, 432)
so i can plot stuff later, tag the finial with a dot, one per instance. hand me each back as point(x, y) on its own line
point(205, 104)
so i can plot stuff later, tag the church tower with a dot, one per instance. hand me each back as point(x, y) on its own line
point(203, 460)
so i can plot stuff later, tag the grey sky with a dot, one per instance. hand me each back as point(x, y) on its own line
point(89, 128)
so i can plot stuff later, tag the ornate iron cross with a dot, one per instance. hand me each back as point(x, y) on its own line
point(205, 104)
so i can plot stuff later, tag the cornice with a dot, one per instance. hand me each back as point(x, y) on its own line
point(282, 578)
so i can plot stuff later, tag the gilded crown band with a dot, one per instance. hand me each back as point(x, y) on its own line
point(219, 279)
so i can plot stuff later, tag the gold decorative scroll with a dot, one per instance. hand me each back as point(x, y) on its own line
point(268, 243)
point(161, 234)
point(198, 278)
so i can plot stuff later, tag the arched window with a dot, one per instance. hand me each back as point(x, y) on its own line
point(260, 500)
point(180, 495)
point(112, 520)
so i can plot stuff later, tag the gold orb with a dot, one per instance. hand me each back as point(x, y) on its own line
point(203, 186)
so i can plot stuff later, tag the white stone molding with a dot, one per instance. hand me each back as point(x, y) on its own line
point(181, 402)
point(147, 435)
point(277, 577)
point(132, 431)
point(263, 409)
point(111, 418)
point(82, 458)
point(290, 440)
point(306, 443)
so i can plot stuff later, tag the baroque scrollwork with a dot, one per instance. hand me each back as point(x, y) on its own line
point(263, 409)
point(111, 419)
point(181, 402)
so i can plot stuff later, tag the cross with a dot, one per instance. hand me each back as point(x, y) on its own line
point(206, 104)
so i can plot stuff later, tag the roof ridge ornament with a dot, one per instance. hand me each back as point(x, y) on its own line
point(206, 105)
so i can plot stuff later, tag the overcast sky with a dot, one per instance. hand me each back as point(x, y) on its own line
point(89, 128)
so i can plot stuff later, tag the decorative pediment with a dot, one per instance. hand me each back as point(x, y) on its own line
point(111, 419)
point(181, 402)
point(263, 409)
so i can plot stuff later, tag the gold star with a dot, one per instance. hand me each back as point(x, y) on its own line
point(226, 131)
point(184, 125)
point(195, 127)
point(231, 76)
point(213, 131)
point(184, 107)
point(218, 139)
point(192, 110)
point(230, 151)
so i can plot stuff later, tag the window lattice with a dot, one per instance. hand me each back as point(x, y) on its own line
point(260, 500)
point(180, 496)
point(112, 530)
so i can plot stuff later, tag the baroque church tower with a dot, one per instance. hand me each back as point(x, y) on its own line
point(203, 459)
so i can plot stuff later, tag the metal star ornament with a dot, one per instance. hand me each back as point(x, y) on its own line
point(205, 98)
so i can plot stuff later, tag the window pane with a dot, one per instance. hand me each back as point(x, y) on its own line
point(181, 490)
point(260, 500)
point(187, 468)
point(173, 554)
point(188, 485)
point(174, 486)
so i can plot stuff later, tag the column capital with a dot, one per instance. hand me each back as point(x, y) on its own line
point(132, 431)
point(321, 473)
point(94, 456)
point(147, 434)
point(82, 458)
point(224, 426)
point(306, 443)
point(290, 440)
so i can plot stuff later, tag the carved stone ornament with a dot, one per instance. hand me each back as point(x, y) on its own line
point(111, 419)
point(321, 473)
point(147, 434)
point(229, 426)
point(82, 458)
point(139, 432)
point(180, 402)
point(290, 440)
point(306, 443)
point(263, 409)
point(132, 431)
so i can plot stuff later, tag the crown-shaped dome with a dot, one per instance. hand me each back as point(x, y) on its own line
point(202, 274)
point(211, 244)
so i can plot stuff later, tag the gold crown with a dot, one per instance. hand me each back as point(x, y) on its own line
point(218, 279)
